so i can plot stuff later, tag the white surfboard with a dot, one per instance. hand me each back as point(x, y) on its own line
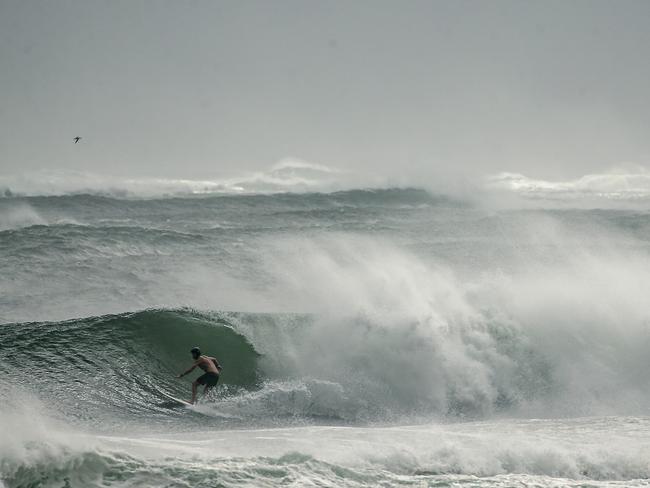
point(174, 399)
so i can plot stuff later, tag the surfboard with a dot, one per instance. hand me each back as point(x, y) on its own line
point(174, 399)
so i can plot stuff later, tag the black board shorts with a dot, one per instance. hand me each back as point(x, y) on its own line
point(208, 379)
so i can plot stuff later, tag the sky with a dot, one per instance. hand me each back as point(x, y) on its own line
point(398, 90)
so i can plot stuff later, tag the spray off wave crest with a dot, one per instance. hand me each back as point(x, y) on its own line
point(416, 338)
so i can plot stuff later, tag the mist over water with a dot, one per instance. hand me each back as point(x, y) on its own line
point(361, 310)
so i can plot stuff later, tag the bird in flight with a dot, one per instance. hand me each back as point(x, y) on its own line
point(77, 139)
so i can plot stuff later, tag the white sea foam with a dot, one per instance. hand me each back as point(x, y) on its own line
point(498, 453)
point(600, 452)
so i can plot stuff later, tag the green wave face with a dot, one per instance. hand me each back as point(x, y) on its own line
point(113, 366)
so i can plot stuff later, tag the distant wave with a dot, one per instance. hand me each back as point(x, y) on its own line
point(19, 212)
point(616, 185)
point(288, 175)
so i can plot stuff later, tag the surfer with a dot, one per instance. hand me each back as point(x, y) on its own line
point(212, 370)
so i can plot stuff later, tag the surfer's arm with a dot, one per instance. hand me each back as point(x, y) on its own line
point(188, 371)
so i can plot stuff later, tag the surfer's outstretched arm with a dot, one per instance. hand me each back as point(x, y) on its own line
point(188, 371)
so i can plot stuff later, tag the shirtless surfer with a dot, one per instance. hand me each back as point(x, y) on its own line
point(208, 364)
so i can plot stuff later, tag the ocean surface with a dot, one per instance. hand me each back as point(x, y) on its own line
point(380, 338)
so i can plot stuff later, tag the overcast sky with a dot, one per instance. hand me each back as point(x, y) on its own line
point(403, 89)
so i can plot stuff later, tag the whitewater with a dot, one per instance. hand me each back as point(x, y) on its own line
point(386, 337)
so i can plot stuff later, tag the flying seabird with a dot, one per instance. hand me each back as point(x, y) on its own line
point(77, 139)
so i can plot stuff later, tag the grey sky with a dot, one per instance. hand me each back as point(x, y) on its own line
point(403, 89)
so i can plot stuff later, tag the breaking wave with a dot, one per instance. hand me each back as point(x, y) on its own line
point(449, 359)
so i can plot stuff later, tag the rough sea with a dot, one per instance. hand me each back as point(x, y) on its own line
point(369, 338)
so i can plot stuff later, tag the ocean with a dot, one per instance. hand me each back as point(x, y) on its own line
point(387, 337)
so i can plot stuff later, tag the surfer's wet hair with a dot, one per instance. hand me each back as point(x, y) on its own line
point(196, 352)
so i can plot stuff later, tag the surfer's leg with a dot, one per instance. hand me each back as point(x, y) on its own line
point(210, 382)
